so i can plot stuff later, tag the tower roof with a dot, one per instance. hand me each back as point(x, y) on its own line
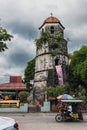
point(51, 19)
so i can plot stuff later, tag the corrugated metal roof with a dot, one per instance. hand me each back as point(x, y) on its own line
point(15, 83)
point(12, 86)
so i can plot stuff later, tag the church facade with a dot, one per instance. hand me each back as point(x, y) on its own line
point(51, 54)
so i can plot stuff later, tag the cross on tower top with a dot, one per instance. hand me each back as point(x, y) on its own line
point(51, 14)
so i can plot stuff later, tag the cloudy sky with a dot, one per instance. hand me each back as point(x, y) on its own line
point(22, 18)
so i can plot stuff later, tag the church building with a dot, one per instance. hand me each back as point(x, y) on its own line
point(51, 57)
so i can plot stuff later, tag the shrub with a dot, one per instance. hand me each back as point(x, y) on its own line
point(23, 96)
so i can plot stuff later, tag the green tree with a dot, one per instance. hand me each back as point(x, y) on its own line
point(55, 91)
point(29, 72)
point(81, 92)
point(78, 66)
point(78, 73)
point(4, 36)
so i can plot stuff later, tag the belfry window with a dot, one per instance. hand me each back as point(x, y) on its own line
point(56, 61)
point(52, 29)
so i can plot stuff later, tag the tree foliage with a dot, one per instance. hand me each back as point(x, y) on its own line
point(44, 36)
point(78, 73)
point(4, 36)
point(29, 72)
point(78, 66)
point(23, 96)
point(81, 92)
point(55, 91)
point(53, 40)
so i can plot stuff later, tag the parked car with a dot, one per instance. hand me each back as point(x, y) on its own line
point(7, 123)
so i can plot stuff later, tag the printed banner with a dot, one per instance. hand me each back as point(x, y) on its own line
point(60, 74)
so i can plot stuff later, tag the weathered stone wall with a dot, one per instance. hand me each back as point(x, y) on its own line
point(43, 62)
point(57, 28)
point(41, 76)
point(42, 48)
point(40, 88)
point(45, 73)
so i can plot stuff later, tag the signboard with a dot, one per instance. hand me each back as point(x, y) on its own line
point(32, 82)
point(60, 74)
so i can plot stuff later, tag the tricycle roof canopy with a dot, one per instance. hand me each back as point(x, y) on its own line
point(65, 97)
point(72, 101)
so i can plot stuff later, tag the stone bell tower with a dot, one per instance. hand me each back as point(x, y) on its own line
point(51, 51)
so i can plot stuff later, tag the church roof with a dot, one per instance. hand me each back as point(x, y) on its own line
point(51, 19)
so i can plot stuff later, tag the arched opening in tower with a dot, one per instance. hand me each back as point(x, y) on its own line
point(56, 61)
point(52, 29)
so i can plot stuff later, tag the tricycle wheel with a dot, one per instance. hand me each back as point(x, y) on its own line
point(58, 118)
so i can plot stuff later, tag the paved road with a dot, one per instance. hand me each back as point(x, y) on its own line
point(45, 121)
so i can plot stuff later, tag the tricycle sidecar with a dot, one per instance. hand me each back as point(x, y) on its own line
point(66, 113)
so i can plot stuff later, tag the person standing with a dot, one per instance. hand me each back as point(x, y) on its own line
point(37, 103)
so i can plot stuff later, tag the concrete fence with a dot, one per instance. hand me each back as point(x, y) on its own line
point(22, 108)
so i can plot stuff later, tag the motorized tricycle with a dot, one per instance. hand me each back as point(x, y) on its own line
point(65, 115)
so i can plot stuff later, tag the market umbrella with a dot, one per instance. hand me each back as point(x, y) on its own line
point(65, 97)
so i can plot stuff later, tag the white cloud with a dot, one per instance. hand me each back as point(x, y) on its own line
point(23, 17)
